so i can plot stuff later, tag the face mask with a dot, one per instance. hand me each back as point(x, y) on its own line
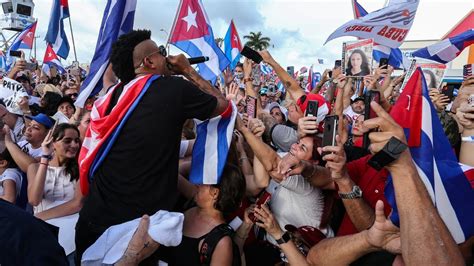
point(239, 75)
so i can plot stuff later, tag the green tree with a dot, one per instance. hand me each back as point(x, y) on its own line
point(257, 41)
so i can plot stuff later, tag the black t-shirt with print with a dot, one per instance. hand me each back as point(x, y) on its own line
point(139, 174)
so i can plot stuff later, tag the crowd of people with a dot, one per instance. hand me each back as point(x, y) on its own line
point(283, 196)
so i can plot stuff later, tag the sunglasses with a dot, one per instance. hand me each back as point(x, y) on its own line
point(161, 51)
point(72, 95)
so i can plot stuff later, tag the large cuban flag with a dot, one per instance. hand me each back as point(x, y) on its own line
point(192, 33)
point(51, 59)
point(448, 183)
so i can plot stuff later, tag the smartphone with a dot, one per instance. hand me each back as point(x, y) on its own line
point(15, 53)
point(467, 71)
point(448, 91)
point(251, 54)
point(369, 113)
point(337, 63)
point(312, 108)
point(330, 131)
point(263, 199)
point(330, 73)
point(251, 103)
point(383, 63)
point(291, 70)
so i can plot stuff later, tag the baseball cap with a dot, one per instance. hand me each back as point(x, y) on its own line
point(263, 91)
point(283, 110)
point(323, 106)
point(360, 98)
point(43, 119)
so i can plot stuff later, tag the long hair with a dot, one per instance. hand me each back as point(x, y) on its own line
point(365, 69)
point(433, 83)
point(72, 167)
point(231, 189)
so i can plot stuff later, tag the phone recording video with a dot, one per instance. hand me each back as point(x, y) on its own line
point(369, 113)
point(251, 54)
point(312, 109)
point(251, 103)
point(263, 199)
point(383, 63)
point(330, 131)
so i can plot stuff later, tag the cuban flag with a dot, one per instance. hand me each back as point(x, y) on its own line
point(232, 45)
point(24, 40)
point(449, 187)
point(104, 128)
point(394, 55)
point(51, 59)
point(211, 147)
point(117, 20)
point(388, 26)
point(447, 49)
point(56, 35)
point(192, 33)
point(266, 69)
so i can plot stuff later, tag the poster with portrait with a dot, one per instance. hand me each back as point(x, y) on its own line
point(434, 73)
point(357, 58)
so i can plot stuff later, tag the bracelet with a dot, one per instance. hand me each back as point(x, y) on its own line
point(468, 139)
point(44, 163)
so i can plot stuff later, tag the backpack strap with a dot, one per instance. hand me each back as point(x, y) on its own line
point(211, 240)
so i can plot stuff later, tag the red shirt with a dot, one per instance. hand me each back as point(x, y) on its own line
point(372, 184)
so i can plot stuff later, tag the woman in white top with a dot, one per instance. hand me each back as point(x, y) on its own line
point(53, 189)
point(10, 178)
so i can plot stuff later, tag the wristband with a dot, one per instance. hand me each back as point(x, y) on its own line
point(247, 79)
point(390, 152)
point(468, 139)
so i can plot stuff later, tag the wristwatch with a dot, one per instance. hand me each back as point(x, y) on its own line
point(356, 193)
point(284, 238)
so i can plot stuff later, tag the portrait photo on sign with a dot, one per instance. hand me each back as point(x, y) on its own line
point(357, 57)
point(433, 73)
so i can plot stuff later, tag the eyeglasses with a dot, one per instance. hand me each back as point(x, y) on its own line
point(72, 95)
point(161, 51)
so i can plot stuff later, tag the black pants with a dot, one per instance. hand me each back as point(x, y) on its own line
point(87, 233)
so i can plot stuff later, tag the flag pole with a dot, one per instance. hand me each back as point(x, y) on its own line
point(173, 25)
point(72, 35)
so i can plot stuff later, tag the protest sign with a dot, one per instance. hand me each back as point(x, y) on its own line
point(434, 73)
point(357, 57)
point(11, 92)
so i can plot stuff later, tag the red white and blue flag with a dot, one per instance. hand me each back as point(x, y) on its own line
point(104, 129)
point(118, 19)
point(211, 147)
point(309, 85)
point(394, 55)
point(24, 40)
point(56, 35)
point(388, 26)
point(51, 59)
point(448, 184)
point(192, 33)
point(447, 49)
point(232, 45)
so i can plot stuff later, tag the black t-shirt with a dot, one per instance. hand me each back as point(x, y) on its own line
point(139, 174)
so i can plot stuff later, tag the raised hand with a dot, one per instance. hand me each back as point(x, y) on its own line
point(47, 145)
point(335, 160)
point(267, 57)
point(383, 234)
point(267, 221)
point(231, 92)
point(307, 126)
point(257, 127)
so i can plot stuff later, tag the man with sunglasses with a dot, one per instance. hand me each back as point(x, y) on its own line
point(139, 174)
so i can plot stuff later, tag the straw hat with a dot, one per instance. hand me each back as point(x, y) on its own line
point(43, 88)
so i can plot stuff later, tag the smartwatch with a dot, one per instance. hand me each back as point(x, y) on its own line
point(284, 238)
point(356, 193)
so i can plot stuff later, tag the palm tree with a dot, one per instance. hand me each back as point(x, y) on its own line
point(256, 41)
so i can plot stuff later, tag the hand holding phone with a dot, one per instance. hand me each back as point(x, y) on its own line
point(369, 113)
point(263, 199)
point(312, 108)
point(251, 54)
point(251, 103)
point(383, 63)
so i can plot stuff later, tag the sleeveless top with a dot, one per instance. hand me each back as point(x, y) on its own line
point(58, 188)
point(185, 254)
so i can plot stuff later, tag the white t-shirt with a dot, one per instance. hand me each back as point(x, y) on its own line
point(26, 147)
point(11, 174)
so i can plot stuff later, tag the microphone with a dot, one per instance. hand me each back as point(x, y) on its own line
point(197, 60)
